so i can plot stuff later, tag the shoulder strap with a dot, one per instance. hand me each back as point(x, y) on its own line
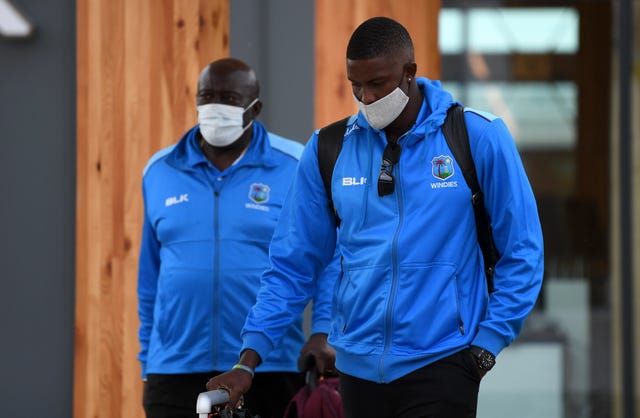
point(455, 132)
point(329, 145)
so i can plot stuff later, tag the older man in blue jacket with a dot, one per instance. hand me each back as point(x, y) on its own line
point(211, 203)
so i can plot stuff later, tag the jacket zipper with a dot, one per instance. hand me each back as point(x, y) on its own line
point(460, 321)
point(394, 280)
point(216, 278)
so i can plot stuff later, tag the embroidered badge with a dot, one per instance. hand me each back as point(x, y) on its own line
point(259, 192)
point(442, 167)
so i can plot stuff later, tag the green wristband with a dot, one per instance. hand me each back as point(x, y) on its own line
point(245, 368)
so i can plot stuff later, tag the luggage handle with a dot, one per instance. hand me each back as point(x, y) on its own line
point(307, 364)
point(208, 400)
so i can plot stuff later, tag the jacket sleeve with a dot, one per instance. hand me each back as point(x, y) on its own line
point(303, 245)
point(148, 269)
point(321, 313)
point(517, 233)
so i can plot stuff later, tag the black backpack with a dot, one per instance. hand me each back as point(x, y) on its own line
point(455, 132)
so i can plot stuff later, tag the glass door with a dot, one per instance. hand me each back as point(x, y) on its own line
point(536, 66)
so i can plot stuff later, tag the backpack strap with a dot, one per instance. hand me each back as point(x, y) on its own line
point(329, 145)
point(455, 132)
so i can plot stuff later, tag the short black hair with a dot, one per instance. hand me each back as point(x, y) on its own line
point(378, 36)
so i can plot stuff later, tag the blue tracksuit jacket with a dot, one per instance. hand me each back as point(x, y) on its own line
point(204, 246)
point(413, 288)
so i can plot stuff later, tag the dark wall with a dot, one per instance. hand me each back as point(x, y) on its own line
point(37, 174)
point(276, 38)
point(37, 178)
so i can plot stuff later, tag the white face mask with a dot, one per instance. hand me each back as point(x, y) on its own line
point(220, 124)
point(383, 111)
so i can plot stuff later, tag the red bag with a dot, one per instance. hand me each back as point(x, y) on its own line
point(319, 398)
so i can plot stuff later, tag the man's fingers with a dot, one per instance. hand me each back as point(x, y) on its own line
point(234, 382)
point(320, 364)
point(326, 365)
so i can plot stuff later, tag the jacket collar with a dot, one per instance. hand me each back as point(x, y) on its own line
point(187, 154)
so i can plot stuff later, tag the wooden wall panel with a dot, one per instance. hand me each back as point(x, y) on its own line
point(337, 19)
point(137, 66)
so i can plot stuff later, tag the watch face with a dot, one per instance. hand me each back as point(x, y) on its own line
point(485, 359)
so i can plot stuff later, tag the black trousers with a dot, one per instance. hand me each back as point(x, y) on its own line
point(447, 388)
point(175, 395)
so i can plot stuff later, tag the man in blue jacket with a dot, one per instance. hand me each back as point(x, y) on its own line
point(211, 203)
point(413, 324)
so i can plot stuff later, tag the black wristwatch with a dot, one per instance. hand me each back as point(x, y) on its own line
point(484, 359)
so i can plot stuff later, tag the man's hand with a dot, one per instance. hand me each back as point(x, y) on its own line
point(323, 354)
point(236, 381)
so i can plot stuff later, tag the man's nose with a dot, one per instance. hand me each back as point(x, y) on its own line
point(367, 96)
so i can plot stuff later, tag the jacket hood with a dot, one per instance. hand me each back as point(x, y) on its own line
point(435, 104)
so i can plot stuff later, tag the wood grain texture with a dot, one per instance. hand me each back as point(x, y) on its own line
point(337, 19)
point(137, 67)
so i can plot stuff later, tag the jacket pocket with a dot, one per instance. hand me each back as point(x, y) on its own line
point(360, 308)
point(426, 315)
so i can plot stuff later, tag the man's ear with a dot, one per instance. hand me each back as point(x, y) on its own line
point(256, 109)
point(411, 69)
